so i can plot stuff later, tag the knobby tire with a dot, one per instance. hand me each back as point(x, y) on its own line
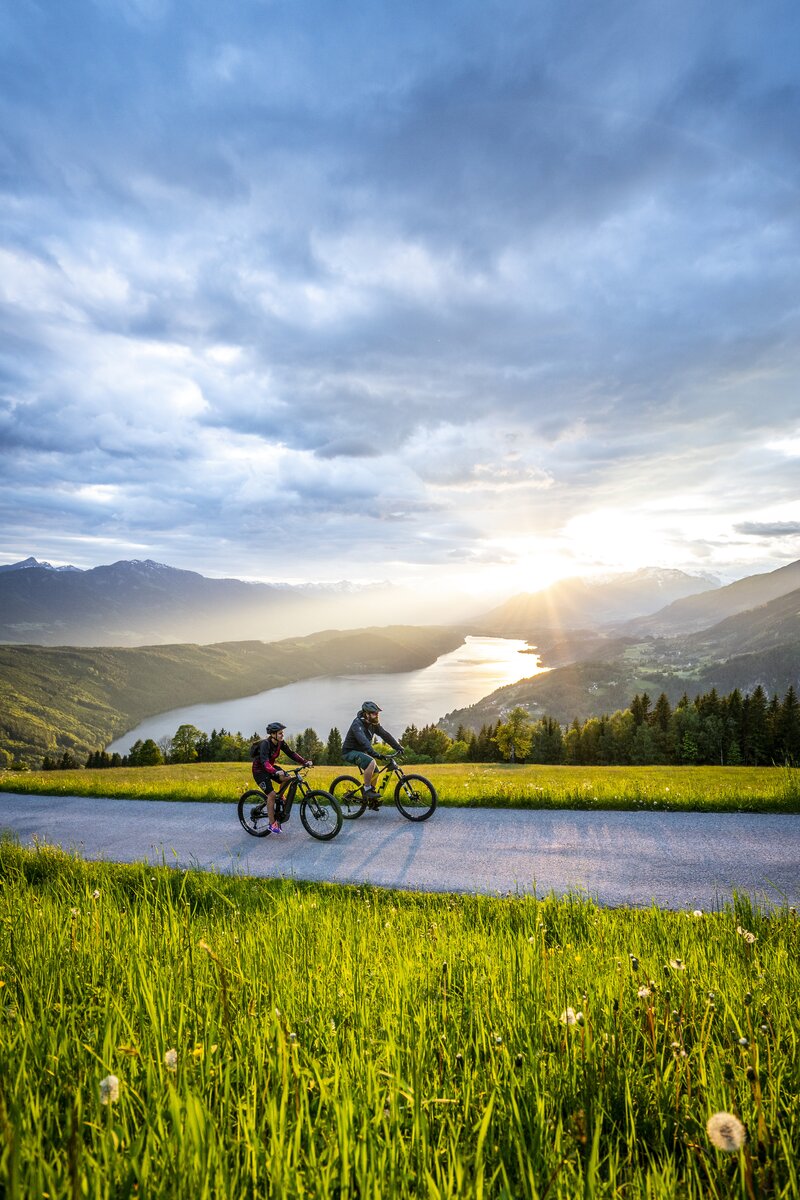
point(347, 791)
point(321, 815)
point(415, 797)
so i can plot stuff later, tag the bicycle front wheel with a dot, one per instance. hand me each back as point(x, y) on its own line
point(321, 815)
point(252, 811)
point(415, 797)
point(347, 791)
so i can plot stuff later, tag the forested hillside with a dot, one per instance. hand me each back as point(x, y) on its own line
point(54, 699)
point(760, 647)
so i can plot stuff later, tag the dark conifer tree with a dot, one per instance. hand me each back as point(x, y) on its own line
point(755, 735)
point(787, 745)
point(333, 749)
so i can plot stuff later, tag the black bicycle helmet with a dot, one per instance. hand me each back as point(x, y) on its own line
point(371, 707)
point(274, 727)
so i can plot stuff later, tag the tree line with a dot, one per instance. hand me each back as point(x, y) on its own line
point(734, 730)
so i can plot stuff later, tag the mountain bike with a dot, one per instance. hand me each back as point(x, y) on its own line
point(414, 795)
point(319, 810)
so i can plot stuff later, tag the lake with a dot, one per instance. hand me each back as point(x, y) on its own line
point(421, 697)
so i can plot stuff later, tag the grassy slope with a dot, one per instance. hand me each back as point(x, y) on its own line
point(57, 698)
point(349, 1042)
point(590, 688)
point(711, 789)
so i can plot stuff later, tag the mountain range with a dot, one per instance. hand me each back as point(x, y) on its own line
point(741, 635)
point(593, 603)
point(134, 603)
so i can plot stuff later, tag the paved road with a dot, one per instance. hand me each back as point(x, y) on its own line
point(676, 860)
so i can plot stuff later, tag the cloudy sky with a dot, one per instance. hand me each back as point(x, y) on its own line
point(470, 295)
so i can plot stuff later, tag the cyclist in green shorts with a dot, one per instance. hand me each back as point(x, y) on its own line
point(357, 746)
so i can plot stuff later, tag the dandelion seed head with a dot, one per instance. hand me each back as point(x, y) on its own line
point(171, 1060)
point(698, 912)
point(743, 1041)
point(569, 1017)
point(725, 1131)
point(109, 1089)
point(644, 992)
point(677, 964)
point(96, 894)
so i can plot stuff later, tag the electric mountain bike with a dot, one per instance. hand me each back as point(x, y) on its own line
point(319, 811)
point(414, 795)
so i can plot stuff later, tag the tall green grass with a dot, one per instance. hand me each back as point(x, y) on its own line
point(714, 789)
point(333, 1042)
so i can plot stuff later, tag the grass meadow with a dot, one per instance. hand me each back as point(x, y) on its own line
point(180, 1034)
point(712, 789)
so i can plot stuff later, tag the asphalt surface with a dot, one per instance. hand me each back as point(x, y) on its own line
point(674, 860)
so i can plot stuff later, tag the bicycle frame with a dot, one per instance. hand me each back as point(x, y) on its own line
point(390, 766)
point(286, 793)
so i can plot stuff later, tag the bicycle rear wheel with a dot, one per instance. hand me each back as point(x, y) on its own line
point(252, 809)
point(415, 797)
point(347, 791)
point(321, 815)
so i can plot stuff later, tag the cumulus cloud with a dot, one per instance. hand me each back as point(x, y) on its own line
point(428, 286)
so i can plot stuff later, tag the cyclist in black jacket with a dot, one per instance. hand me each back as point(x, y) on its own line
point(266, 772)
point(357, 746)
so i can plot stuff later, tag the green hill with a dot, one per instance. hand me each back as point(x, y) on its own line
point(54, 699)
point(760, 646)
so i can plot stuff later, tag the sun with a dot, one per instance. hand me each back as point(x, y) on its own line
point(611, 539)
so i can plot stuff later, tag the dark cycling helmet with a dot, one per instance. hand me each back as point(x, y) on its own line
point(371, 707)
point(274, 727)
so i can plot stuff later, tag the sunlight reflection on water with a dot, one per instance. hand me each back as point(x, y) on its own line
point(457, 679)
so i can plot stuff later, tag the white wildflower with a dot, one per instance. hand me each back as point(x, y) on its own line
point(725, 1131)
point(96, 894)
point(109, 1089)
point(644, 992)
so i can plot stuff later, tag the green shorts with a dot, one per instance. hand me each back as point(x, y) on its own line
point(358, 758)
